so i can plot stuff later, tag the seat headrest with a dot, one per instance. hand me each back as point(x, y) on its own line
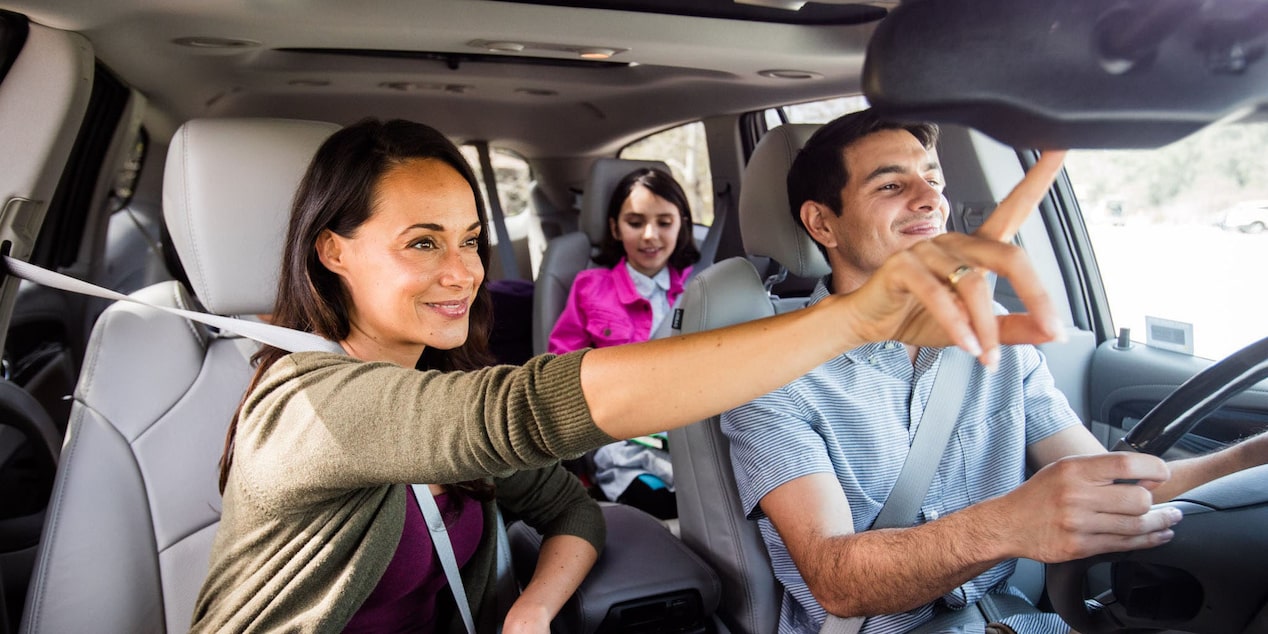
point(605, 173)
point(227, 194)
point(767, 227)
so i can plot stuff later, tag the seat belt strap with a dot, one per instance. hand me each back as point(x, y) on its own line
point(506, 250)
point(930, 442)
point(276, 336)
point(927, 447)
point(292, 341)
point(709, 246)
point(507, 588)
point(444, 549)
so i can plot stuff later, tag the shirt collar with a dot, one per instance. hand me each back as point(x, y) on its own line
point(861, 353)
point(647, 286)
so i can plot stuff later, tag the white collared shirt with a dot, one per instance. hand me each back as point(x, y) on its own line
point(655, 290)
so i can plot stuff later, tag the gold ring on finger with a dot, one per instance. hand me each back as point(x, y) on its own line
point(960, 273)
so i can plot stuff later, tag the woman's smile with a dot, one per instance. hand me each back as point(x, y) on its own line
point(454, 309)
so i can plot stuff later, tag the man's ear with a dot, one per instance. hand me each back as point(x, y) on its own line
point(815, 218)
point(330, 251)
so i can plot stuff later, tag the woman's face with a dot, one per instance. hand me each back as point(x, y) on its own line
point(412, 269)
point(647, 227)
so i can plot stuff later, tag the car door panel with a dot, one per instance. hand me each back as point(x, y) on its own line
point(1126, 384)
point(1068, 362)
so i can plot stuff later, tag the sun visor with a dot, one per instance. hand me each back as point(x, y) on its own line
point(1072, 73)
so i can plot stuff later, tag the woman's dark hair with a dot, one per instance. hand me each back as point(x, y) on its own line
point(663, 185)
point(338, 193)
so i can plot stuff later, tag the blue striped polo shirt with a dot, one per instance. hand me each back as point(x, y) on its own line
point(855, 416)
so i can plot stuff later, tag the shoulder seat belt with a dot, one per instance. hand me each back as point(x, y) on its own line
point(922, 461)
point(297, 341)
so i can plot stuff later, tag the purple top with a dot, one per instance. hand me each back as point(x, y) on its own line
point(405, 598)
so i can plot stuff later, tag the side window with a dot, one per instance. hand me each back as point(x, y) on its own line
point(514, 178)
point(1180, 238)
point(686, 152)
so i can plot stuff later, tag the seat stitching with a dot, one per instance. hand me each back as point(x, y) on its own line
point(53, 520)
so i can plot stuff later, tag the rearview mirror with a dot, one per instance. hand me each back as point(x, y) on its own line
point(1071, 73)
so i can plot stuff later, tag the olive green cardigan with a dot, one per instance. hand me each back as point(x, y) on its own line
point(314, 505)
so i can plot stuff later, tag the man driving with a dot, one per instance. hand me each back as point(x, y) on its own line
point(865, 188)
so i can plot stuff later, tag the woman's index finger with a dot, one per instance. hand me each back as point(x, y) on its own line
point(1008, 217)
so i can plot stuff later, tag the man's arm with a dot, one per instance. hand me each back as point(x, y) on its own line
point(1193, 472)
point(1075, 440)
point(1184, 474)
point(876, 572)
point(1069, 510)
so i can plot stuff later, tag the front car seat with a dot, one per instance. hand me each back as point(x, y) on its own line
point(572, 253)
point(135, 503)
point(711, 517)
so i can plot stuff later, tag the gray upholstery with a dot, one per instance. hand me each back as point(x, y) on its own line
point(766, 224)
point(710, 517)
point(227, 205)
point(710, 514)
point(135, 504)
point(572, 253)
point(565, 257)
point(642, 559)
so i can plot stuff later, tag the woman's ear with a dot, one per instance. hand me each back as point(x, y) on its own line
point(815, 218)
point(616, 235)
point(330, 251)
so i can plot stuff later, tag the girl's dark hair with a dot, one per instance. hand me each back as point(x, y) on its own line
point(338, 193)
point(663, 185)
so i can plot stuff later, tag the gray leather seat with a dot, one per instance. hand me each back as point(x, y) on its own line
point(572, 253)
point(135, 505)
point(711, 518)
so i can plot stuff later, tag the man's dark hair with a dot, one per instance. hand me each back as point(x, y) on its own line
point(818, 172)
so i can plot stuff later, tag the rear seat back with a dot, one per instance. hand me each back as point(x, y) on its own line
point(134, 250)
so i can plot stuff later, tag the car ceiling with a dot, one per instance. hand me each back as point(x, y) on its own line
point(668, 68)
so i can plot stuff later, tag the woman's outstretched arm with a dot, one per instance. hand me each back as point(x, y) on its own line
point(636, 389)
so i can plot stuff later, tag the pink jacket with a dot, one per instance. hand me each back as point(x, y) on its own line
point(604, 309)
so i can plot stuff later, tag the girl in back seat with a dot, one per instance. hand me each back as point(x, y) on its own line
point(649, 251)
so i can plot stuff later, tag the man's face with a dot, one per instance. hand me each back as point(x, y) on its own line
point(893, 200)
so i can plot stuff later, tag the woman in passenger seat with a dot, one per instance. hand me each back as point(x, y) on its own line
point(392, 266)
point(649, 252)
point(385, 254)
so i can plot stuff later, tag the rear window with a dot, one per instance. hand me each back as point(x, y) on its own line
point(686, 152)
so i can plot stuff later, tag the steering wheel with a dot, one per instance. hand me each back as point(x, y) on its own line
point(1210, 577)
